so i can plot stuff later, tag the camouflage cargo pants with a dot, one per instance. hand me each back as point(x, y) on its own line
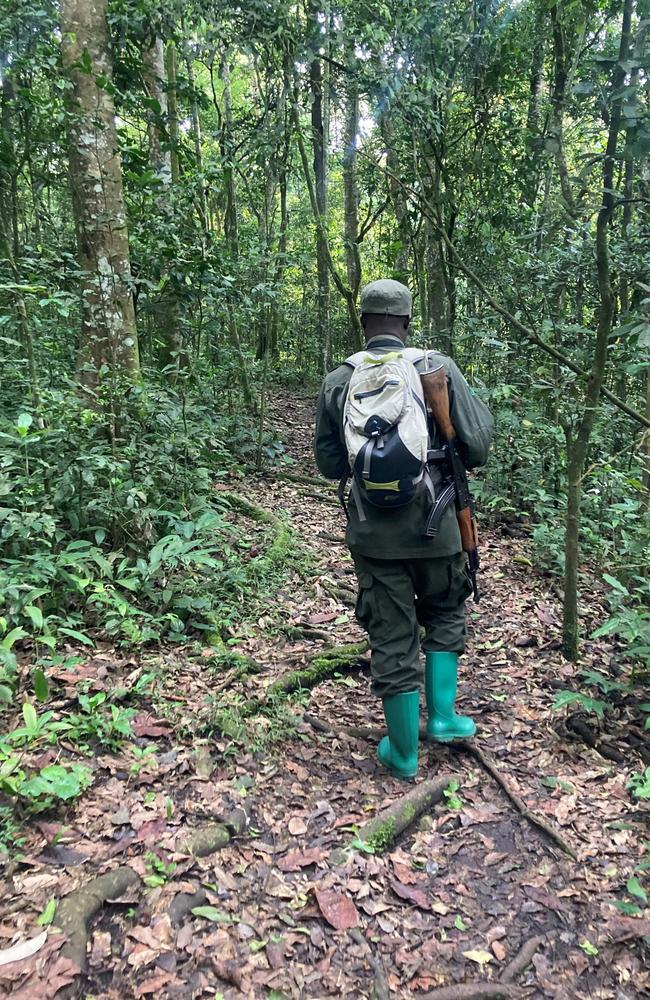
point(398, 597)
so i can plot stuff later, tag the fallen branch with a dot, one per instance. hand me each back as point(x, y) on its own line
point(321, 666)
point(522, 959)
point(541, 824)
point(76, 910)
point(380, 990)
point(388, 824)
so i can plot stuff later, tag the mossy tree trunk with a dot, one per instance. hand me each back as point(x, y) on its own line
point(109, 342)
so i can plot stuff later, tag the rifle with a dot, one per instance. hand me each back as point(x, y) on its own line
point(436, 395)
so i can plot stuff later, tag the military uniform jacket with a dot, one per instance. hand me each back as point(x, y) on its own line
point(399, 533)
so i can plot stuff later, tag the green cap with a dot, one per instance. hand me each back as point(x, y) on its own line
point(386, 298)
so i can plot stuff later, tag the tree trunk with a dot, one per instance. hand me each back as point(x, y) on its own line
point(398, 200)
point(533, 140)
point(350, 188)
point(165, 306)
point(579, 447)
point(226, 144)
point(172, 110)
point(320, 137)
point(198, 154)
point(109, 340)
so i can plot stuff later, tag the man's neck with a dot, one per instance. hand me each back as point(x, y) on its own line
point(393, 337)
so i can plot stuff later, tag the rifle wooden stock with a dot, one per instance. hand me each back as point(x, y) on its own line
point(468, 529)
point(437, 399)
point(436, 396)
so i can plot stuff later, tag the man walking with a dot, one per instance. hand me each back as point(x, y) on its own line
point(407, 579)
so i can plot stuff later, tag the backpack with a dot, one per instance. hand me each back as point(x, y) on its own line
point(385, 428)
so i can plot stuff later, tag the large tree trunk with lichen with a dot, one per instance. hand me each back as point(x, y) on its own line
point(109, 343)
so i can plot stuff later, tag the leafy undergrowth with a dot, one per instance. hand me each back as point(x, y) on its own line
point(451, 902)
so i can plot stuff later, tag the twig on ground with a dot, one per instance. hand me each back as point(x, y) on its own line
point(522, 959)
point(490, 766)
point(380, 989)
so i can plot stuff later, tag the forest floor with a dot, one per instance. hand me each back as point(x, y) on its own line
point(280, 909)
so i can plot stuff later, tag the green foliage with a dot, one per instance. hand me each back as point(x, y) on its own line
point(159, 871)
point(639, 784)
point(38, 792)
point(630, 616)
point(136, 543)
point(452, 799)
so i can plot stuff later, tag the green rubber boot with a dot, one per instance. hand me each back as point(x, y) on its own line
point(399, 750)
point(440, 683)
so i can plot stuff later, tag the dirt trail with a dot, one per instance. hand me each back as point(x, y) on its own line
point(452, 902)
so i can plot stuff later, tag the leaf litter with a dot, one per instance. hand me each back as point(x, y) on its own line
point(278, 908)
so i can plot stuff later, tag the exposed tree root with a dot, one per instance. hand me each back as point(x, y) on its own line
point(282, 531)
point(380, 990)
point(490, 766)
point(522, 959)
point(471, 748)
point(305, 479)
point(336, 539)
point(210, 838)
point(474, 991)
point(205, 841)
point(345, 595)
point(183, 903)
point(355, 732)
point(305, 632)
point(76, 910)
point(581, 728)
point(387, 825)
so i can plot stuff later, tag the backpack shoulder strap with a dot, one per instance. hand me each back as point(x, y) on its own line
point(355, 359)
point(413, 354)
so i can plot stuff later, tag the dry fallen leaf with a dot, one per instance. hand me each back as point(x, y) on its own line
point(23, 949)
point(297, 826)
point(478, 955)
point(154, 984)
point(410, 893)
point(295, 860)
point(339, 910)
point(499, 950)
